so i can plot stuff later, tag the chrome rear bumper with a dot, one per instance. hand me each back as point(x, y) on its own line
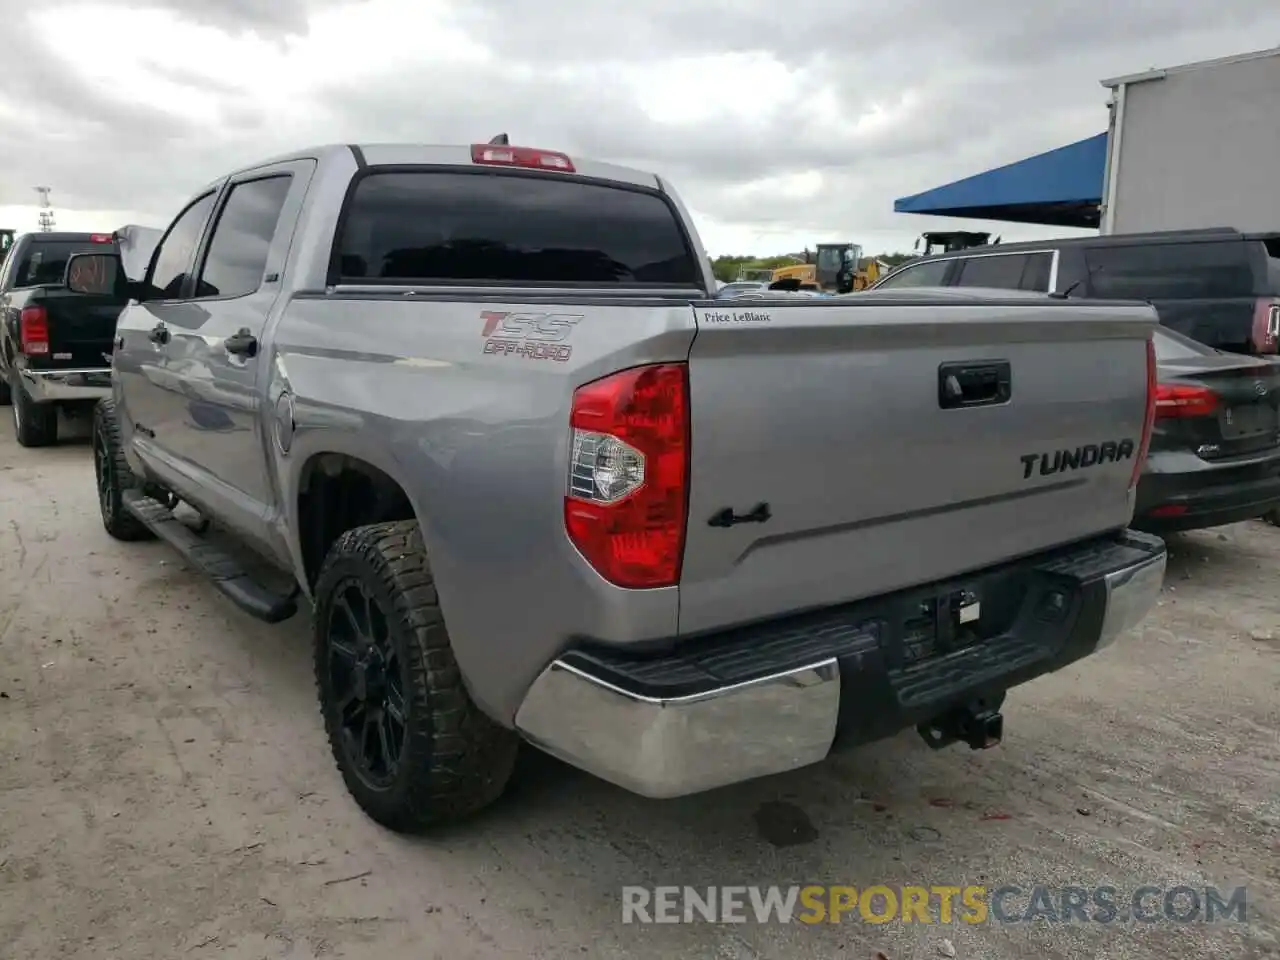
point(788, 718)
point(668, 748)
point(1131, 593)
point(48, 386)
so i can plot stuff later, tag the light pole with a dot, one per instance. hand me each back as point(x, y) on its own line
point(47, 221)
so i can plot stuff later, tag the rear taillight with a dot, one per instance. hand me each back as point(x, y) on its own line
point(528, 157)
point(1148, 417)
point(628, 490)
point(1175, 401)
point(1266, 326)
point(33, 331)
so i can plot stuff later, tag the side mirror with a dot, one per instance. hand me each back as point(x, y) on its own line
point(98, 274)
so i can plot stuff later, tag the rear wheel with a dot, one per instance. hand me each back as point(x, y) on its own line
point(113, 476)
point(34, 424)
point(413, 749)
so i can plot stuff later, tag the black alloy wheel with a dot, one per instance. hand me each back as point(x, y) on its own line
point(412, 748)
point(368, 681)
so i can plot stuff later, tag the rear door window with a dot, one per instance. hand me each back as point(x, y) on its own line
point(928, 274)
point(1037, 272)
point(1171, 271)
point(436, 226)
point(997, 271)
point(242, 236)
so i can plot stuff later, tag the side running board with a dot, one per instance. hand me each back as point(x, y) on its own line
point(240, 587)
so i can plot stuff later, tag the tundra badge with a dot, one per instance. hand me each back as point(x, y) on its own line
point(1079, 458)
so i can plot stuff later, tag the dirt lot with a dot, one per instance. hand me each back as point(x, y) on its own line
point(166, 791)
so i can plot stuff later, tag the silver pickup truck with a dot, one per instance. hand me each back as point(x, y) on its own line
point(479, 408)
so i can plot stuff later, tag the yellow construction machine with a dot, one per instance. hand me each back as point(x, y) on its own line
point(841, 268)
point(830, 268)
point(805, 273)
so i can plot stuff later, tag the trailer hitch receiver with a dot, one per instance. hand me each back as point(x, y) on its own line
point(970, 723)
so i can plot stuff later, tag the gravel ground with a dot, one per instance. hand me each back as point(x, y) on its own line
point(166, 791)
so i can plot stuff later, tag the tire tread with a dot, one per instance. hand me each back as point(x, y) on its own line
point(459, 759)
point(121, 525)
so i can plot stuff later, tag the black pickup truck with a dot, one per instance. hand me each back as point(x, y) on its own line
point(55, 345)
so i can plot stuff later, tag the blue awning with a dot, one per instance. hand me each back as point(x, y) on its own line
point(1060, 188)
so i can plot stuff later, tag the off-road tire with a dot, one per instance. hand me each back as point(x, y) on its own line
point(455, 760)
point(112, 476)
point(34, 424)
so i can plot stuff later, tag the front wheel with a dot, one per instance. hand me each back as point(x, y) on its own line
point(413, 749)
point(113, 476)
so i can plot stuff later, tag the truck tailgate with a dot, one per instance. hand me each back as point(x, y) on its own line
point(830, 461)
point(81, 328)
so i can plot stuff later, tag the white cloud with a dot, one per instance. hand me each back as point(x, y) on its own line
point(782, 127)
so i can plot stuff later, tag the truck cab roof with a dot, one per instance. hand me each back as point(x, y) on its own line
point(445, 155)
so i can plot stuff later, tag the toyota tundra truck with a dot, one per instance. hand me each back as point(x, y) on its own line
point(477, 408)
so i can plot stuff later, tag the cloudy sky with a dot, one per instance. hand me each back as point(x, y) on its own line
point(780, 123)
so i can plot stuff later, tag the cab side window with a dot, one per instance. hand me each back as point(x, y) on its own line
point(242, 237)
point(928, 274)
point(995, 272)
point(1035, 275)
point(174, 257)
point(1007, 271)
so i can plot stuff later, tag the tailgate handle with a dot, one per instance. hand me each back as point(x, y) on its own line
point(974, 383)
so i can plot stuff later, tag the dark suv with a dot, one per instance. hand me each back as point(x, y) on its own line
point(1219, 286)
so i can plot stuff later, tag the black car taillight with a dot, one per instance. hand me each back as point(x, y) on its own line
point(1179, 401)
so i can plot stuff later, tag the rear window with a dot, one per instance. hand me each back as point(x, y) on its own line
point(45, 263)
point(440, 227)
point(1171, 271)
